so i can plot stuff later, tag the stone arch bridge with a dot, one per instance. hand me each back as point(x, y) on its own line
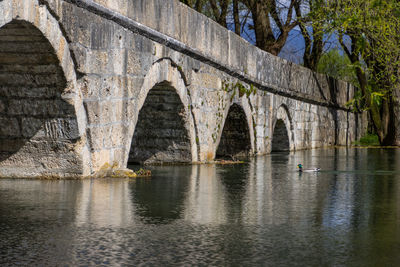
point(85, 83)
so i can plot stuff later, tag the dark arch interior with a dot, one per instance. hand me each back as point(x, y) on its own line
point(37, 128)
point(235, 140)
point(280, 138)
point(161, 135)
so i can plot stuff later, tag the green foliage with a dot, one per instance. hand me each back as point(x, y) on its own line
point(368, 140)
point(356, 102)
point(241, 89)
point(338, 66)
point(369, 32)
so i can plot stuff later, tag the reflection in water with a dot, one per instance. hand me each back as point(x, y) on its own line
point(205, 201)
point(104, 203)
point(260, 213)
point(160, 199)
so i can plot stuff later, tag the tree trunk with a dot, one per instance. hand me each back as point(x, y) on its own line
point(262, 13)
point(262, 28)
point(236, 17)
point(220, 11)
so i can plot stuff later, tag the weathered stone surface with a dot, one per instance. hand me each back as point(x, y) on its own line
point(235, 138)
point(38, 128)
point(90, 83)
point(161, 134)
point(280, 138)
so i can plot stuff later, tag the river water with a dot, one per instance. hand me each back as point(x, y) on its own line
point(261, 213)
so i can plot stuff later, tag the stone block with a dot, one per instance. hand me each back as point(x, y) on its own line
point(34, 107)
point(81, 59)
point(134, 85)
point(98, 62)
point(119, 156)
point(9, 127)
point(9, 146)
point(119, 109)
point(120, 40)
point(118, 135)
point(101, 35)
point(2, 107)
point(96, 138)
point(134, 62)
point(107, 131)
point(89, 87)
point(118, 61)
point(93, 112)
point(209, 81)
point(166, 14)
point(31, 126)
point(61, 128)
point(106, 112)
point(59, 107)
point(99, 158)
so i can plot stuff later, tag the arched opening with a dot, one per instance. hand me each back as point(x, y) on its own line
point(235, 139)
point(280, 138)
point(38, 129)
point(161, 134)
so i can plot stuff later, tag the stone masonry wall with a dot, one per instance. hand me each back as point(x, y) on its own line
point(38, 129)
point(280, 139)
point(206, 40)
point(161, 135)
point(235, 137)
point(121, 51)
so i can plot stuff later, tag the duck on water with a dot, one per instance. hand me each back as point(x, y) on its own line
point(307, 170)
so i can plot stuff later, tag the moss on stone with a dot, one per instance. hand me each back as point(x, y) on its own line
point(114, 171)
point(240, 87)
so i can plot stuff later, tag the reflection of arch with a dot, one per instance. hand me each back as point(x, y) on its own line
point(166, 105)
point(39, 100)
point(236, 137)
point(161, 200)
point(282, 137)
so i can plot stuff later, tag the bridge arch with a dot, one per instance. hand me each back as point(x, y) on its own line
point(237, 135)
point(162, 110)
point(282, 131)
point(42, 118)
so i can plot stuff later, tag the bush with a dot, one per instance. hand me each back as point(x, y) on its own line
point(368, 140)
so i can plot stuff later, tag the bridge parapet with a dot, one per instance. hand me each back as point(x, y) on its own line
point(177, 26)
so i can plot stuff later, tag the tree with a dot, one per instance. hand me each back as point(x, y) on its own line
point(311, 29)
point(216, 9)
point(219, 10)
point(198, 5)
point(338, 66)
point(272, 22)
point(369, 31)
point(236, 17)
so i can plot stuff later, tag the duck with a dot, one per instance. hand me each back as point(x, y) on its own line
point(309, 170)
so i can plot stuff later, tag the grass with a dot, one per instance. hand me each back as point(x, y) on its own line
point(368, 140)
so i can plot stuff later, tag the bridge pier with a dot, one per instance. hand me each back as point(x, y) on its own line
point(40, 132)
